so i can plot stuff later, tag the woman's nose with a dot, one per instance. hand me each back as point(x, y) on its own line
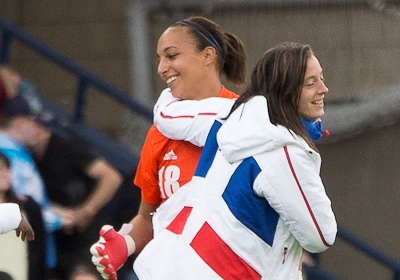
point(162, 67)
point(323, 88)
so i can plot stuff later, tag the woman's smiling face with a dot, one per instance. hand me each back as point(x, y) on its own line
point(311, 105)
point(180, 63)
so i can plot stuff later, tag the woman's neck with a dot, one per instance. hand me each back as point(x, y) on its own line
point(210, 90)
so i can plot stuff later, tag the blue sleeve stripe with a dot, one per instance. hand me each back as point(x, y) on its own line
point(250, 209)
point(209, 151)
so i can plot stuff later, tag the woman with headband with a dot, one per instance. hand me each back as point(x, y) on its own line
point(193, 55)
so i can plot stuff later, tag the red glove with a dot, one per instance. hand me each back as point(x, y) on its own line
point(112, 250)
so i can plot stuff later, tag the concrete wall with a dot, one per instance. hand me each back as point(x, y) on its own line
point(361, 176)
point(358, 47)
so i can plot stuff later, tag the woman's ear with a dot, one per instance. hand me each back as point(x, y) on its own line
point(210, 55)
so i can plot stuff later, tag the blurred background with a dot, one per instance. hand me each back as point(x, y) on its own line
point(357, 43)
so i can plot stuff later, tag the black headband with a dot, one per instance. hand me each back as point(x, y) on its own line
point(210, 38)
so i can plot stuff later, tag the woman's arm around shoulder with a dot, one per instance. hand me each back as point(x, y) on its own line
point(188, 120)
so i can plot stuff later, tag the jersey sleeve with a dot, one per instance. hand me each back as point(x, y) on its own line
point(292, 186)
point(189, 120)
point(146, 177)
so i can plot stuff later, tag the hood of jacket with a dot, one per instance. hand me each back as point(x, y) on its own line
point(249, 132)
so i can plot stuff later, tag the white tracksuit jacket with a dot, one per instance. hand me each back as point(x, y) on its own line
point(255, 201)
point(10, 217)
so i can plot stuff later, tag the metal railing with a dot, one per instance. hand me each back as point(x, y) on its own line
point(370, 251)
point(86, 78)
point(123, 158)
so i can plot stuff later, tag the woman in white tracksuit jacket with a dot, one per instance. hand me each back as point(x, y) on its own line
point(256, 200)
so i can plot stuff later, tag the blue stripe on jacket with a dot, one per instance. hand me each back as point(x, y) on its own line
point(251, 210)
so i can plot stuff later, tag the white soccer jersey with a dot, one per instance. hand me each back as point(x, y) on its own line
point(255, 202)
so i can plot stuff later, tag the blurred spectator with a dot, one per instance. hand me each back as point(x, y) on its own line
point(79, 183)
point(26, 179)
point(8, 85)
point(27, 230)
